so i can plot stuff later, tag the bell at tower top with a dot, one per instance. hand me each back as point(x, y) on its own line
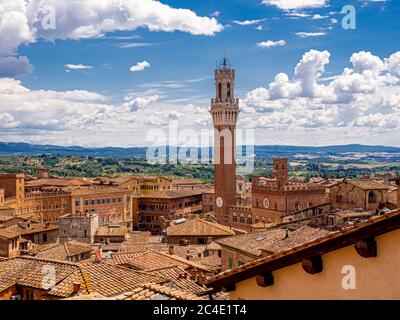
point(225, 84)
point(224, 64)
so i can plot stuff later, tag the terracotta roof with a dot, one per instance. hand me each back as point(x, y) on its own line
point(151, 260)
point(212, 261)
point(158, 292)
point(127, 247)
point(180, 278)
point(126, 257)
point(186, 182)
point(271, 240)
point(82, 191)
point(199, 227)
point(333, 241)
point(56, 182)
point(10, 232)
point(27, 271)
point(64, 251)
point(108, 279)
point(111, 231)
point(368, 184)
point(19, 230)
point(172, 194)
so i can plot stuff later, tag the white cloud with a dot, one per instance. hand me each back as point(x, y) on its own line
point(366, 61)
point(364, 97)
point(248, 22)
point(318, 17)
point(140, 66)
point(215, 14)
point(295, 4)
point(270, 43)
point(134, 103)
point(310, 34)
point(309, 69)
point(7, 121)
point(21, 20)
point(14, 66)
point(393, 64)
point(77, 67)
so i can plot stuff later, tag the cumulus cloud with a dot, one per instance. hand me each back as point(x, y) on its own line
point(295, 4)
point(393, 64)
point(140, 66)
point(14, 66)
point(365, 95)
point(21, 20)
point(134, 103)
point(270, 43)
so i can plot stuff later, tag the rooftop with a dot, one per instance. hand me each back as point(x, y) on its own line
point(63, 251)
point(294, 254)
point(199, 227)
point(271, 240)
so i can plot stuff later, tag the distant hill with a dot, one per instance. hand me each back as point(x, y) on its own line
point(19, 148)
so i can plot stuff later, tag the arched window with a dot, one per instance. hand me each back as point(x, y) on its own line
point(249, 219)
point(372, 197)
point(219, 91)
point(241, 218)
point(228, 90)
point(234, 217)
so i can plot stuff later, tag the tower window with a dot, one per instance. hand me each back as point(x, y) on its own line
point(219, 91)
point(228, 90)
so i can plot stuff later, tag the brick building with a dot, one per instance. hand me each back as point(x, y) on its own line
point(366, 194)
point(111, 204)
point(156, 209)
point(276, 197)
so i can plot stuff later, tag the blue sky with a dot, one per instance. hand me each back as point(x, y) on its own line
point(99, 101)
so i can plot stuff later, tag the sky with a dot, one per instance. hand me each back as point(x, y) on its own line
point(127, 72)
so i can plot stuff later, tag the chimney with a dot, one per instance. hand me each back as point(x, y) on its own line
point(98, 255)
point(76, 287)
point(286, 234)
point(171, 249)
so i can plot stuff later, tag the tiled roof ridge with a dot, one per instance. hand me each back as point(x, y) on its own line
point(178, 258)
point(66, 249)
point(172, 292)
point(46, 260)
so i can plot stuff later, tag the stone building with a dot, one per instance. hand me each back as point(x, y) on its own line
point(276, 197)
point(79, 227)
point(155, 210)
point(110, 204)
point(366, 194)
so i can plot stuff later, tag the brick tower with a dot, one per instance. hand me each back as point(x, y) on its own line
point(281, 171)
point(224, 111)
